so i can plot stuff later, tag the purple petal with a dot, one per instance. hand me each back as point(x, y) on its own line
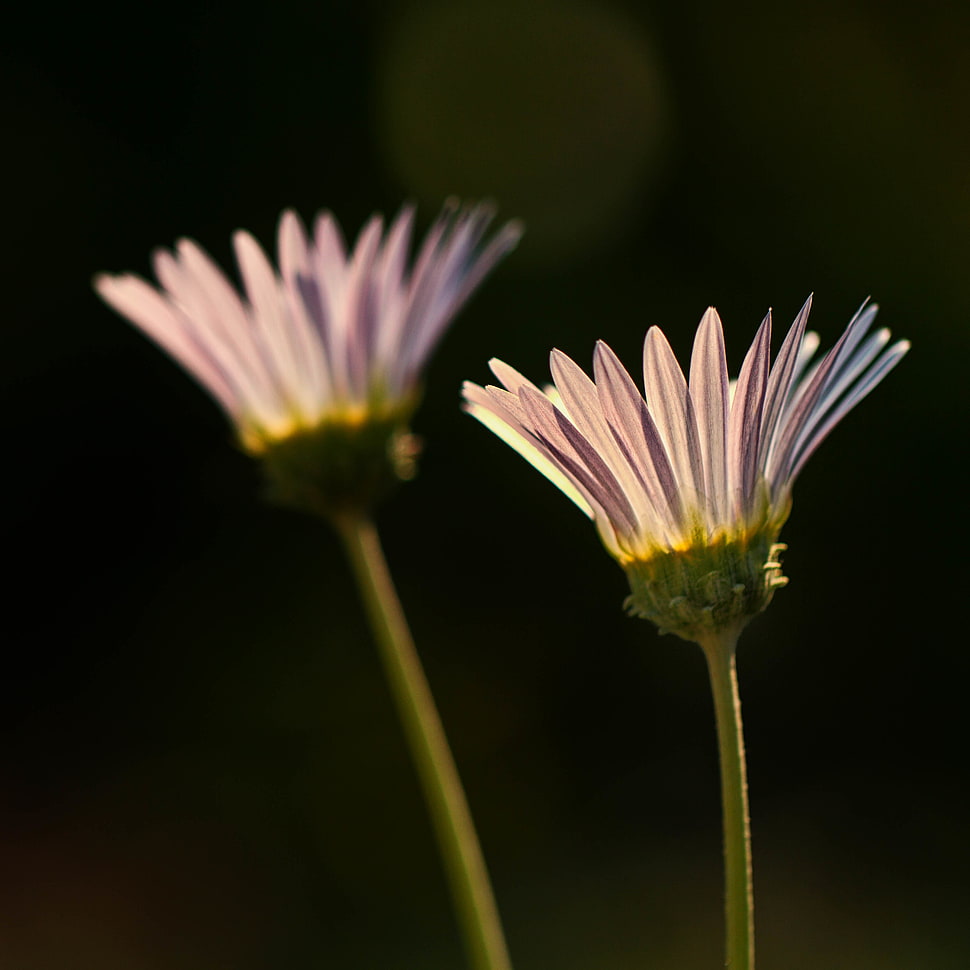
point(802, 411)
point(710, 396)
point(441, 288)
point(221, 324)
point(283, 360)
point(874, 376)
point(582, 404)
point(141, 303)
point(360, 310)
point(744, 436)
point(577, 457)
point(781, 380)
point(510, 377)
point(392, 299)
point(635, 432)
point(505, 417)
point(668, 400)
point(294, 255)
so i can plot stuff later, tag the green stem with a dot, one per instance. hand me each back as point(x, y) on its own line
point(739, 898)
point(464, 863)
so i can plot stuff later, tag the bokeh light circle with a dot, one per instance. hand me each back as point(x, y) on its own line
point(555, 110)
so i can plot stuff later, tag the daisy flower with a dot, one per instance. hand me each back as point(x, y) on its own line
point(318, 365)
point(690, 485)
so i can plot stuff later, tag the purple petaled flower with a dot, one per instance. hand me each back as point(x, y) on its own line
point(318, 365)
point(334, 336)
point(689, 488)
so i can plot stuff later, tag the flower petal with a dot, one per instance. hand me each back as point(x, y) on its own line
point(636, 433)
point(803, 409)
point(578, 458)
point(273, 326)
point(132, 297)
point(744, 434)
point(221, 325)
point(872, 377)
point(502, 423)
point(669, 401)
point(295, 269)
point(582, 406)
point(781, 380)
point(449, 268)
point(709, 392)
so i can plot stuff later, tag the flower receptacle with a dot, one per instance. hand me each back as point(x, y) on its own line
point(340, 467)
point(715, 587)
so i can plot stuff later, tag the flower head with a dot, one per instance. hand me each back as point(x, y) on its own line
point(689, 488)
point(316, 363)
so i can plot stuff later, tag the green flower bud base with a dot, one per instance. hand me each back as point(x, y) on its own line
point(714, 587)
point(340, 467)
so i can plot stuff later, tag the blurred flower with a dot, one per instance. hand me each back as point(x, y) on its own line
point(318, 366)
point(689, 488)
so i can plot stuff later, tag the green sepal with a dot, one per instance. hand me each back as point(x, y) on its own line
point(712, 587)
point(340, 467)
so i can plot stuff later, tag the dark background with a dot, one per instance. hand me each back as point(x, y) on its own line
point(200, 766)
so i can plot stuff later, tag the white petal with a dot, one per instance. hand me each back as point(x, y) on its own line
point(791, 359)
point(874, 377)
point(579, 459)
point(582, 405)
point(221, 325)
point(152, 313)
point(744, 433)
point(670, 404)
point(633, 427)
point(485, 413)
point(295, 269)
point(271, 322)
point(710, 392)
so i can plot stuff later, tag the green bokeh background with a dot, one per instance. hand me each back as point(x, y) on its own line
point(200, 765)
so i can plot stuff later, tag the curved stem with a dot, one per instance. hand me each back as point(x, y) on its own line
point(464, 863)
point(739, 898)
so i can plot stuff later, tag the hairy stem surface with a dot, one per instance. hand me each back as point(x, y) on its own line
point(739, 898)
